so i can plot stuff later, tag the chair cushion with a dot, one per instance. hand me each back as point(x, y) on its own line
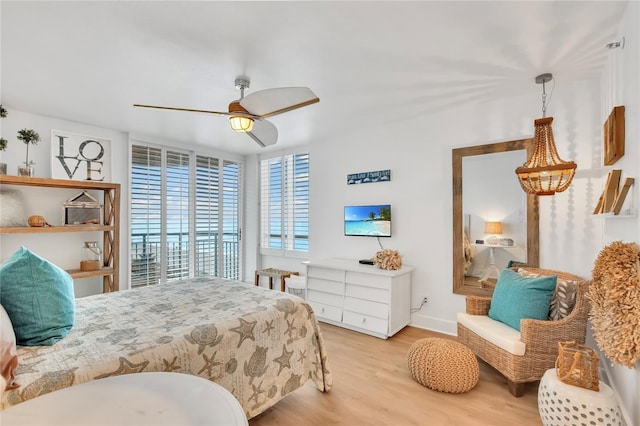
point(517, 297)
point(496, 332)
point(38, 297)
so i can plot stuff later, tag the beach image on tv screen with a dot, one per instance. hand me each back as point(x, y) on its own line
point(370, 221)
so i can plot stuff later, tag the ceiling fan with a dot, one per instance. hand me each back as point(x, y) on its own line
point(248, 114)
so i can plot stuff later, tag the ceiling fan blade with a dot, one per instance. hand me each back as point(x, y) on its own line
point(264, 133)
point(269, 102)
point(185, 109)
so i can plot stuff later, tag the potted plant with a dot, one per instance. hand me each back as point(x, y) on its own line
point(3, 142)
point(28, 136)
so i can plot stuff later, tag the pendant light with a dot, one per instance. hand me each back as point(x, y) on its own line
point(545, 173)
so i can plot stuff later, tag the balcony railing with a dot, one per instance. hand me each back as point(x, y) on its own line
point(146, 257)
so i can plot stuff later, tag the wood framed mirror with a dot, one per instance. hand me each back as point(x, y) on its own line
point(525, 232)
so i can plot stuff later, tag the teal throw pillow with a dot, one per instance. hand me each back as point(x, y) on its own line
point(38, 297)
point(516, 297)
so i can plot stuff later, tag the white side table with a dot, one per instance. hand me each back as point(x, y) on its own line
point(561, 404)
point(132, 399)
point(491, 270)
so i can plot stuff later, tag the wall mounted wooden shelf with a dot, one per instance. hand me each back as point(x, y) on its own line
point(110, 229)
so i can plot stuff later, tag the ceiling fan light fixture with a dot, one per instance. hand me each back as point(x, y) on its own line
point(545, 173)
point(240, 123)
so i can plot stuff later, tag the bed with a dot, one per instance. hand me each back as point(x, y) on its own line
point(259, 344)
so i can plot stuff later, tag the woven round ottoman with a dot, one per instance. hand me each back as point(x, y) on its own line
point(443, 365)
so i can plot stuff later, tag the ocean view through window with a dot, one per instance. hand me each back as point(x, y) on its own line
point(284, 205)
point(185, 215)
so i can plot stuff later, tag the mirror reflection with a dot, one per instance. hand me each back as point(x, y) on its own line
point(495, 222)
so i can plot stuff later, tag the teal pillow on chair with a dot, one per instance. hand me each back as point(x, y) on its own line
point(516, 297)
point(38, 297)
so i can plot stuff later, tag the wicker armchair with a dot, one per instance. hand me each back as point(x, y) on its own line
point(540, 337)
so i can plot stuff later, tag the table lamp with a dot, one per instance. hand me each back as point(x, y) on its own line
point(493, 229)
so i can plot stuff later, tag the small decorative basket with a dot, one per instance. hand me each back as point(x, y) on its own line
point(577, 365)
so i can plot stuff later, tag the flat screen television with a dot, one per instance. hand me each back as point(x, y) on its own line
point(368, 221)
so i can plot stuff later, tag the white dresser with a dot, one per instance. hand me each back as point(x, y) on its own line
point(360, 297)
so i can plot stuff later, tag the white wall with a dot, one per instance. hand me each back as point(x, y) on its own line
point(420, 188)
point(419, 156)
point(621, 86)
point(63, 249)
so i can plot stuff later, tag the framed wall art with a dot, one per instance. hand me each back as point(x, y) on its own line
point(80, 157)
point(369, 177)
point(613, 130)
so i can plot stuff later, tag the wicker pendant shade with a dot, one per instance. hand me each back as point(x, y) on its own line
point(545, 173)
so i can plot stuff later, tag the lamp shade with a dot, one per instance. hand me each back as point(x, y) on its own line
point(493, 228)
point(545, 173)
point(241, 124)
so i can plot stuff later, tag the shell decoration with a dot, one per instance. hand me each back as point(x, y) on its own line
point(388, 259)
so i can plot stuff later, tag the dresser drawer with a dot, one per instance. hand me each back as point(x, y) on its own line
point(335, 287)
point(364, 321)
point(323, 311)
point(326, 274)
point(323, 297)
point(368, 280)
point(366, 307)
point(375, 294)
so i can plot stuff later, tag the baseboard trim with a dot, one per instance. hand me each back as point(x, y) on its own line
point(434, 324)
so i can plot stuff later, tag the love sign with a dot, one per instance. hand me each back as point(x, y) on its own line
point(78, 157)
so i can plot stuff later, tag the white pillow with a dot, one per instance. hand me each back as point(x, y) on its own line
point(12, 209)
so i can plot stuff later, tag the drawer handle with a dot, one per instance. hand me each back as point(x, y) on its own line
point(322, 310)
point(364, 320)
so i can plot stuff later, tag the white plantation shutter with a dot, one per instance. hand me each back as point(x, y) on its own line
point(271, 203)
point(230, 220)
point(177, 221)
point(207, 214)
point(146, 215)
point(184, 222)
point(299, 204)
point(284, 204)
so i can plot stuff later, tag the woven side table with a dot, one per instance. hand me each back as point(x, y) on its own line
point(561, 404)
point(443, 365)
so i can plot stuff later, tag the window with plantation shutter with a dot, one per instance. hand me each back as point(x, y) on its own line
point(284, 204)
point(207, 212)
point(185, 216)
point(146, 215)
point(177, 253)
point(230, 219)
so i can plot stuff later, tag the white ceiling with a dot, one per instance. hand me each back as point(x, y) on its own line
point(367, 61)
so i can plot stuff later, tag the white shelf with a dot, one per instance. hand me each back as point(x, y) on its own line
point(625, 214)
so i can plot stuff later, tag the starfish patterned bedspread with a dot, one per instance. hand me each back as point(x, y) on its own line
point(259, 344)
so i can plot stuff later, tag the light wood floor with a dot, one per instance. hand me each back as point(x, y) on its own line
point(372, 386)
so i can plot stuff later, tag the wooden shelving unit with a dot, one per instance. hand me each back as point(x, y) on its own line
point(53, 229)
point(110, 229)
